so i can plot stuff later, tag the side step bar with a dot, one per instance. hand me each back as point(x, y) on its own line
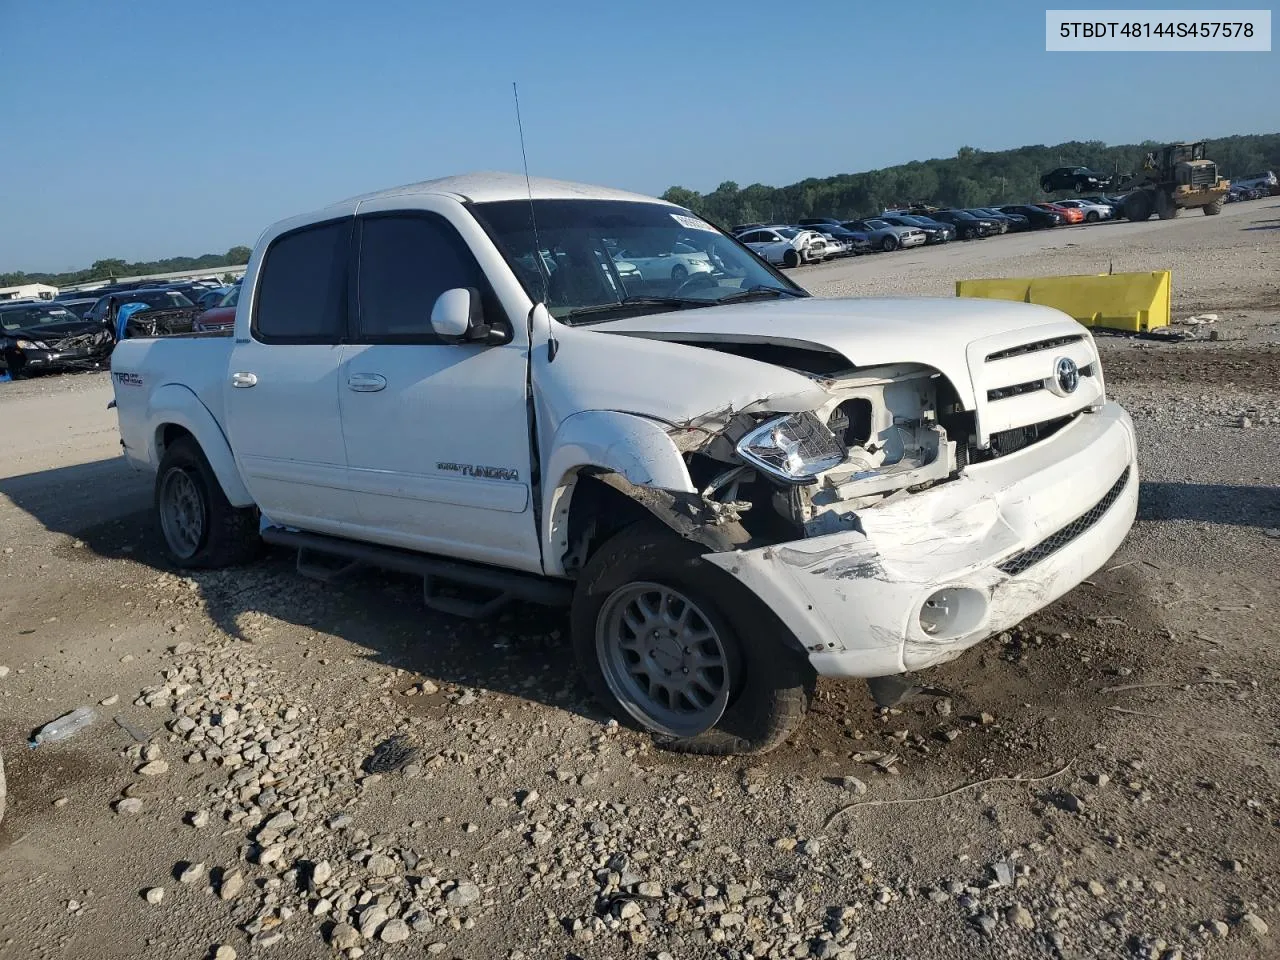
point(351, 555)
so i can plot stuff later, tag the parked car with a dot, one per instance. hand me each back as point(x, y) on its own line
point(1069, 214)
point(1254, 181)
point(211, 298)
point(1014, 221)
point(79, 307)
point(679, 263)
point(1078, 179)
point(743, 227)
point(218, 319)
point(855, 241)
point(1003, 222)
point(1093, 212)
point(968, 227)
point(887, 236)
point(934, 231)
point(167, 311)
point(786, 246)
point(1038, 218)
point(818, 222)
point(39, 335)
point(734, 490)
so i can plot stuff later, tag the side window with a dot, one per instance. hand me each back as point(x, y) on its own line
point(406, 262)
point(302, 291)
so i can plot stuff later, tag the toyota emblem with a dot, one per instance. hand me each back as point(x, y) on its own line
point(1066, 377)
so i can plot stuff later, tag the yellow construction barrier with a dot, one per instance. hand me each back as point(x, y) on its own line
point(1116, 301)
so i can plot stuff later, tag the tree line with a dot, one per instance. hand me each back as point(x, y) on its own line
point(111, 269)
point(972, 178)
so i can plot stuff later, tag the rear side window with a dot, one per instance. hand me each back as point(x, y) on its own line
point(406, 262)
point(302, 291)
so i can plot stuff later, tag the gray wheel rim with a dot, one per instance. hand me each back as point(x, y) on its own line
point(182, 513)
point(662, 659)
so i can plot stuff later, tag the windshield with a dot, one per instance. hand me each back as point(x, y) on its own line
point(877, 224)
point(598, 257)
point(33, 317)
point(158, 299)
point(231, 299)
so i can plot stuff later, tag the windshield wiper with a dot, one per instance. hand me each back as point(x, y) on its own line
point(628, 302)
point(758, 291)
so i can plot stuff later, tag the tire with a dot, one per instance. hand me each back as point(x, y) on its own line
point(889, 243)
point(1212, 209)
point(1080, 186)
point(1165, 207)
point(198, 525)
point(679, 274)
point(763, 684)
point(966, 233)
point(1138, 208)
point(791, 259)
point(16, 366)
point(1091, 216)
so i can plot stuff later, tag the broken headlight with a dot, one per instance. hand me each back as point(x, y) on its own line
point(793, 449)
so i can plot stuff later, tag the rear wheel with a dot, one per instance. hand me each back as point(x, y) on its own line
point(1080, 186)
point(1091, 216)
point(1213, 209)
point(1166, 209)
point(672, 644)
point(679, 274)
point(890, 242)
point(791, 259)
point(199, 525)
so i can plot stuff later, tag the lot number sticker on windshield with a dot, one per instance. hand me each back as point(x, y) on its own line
point(693, 223)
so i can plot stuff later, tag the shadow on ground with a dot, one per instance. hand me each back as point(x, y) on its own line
point(1241, 506)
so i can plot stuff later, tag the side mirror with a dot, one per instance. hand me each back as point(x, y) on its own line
point(458, 316)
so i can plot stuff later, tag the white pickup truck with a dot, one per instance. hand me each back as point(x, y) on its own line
point(735, 486)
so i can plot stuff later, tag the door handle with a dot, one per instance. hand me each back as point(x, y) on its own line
point(366, 382)
point(244, 379)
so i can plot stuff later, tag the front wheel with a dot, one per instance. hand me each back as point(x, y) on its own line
point(889, 243)
point(791, 259)
point(1213, 209)
point(672, 644)
point(200, 527)
point(679, 274)
point(1092, 216)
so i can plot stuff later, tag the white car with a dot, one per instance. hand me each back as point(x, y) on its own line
point(681, 263)
point(1093, 212)
point(834, 247)
point(733, 490)
point(786, 246)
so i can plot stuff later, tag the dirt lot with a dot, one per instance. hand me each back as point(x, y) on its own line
point(1140, 714)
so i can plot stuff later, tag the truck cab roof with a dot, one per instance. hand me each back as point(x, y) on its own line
point(494, 186)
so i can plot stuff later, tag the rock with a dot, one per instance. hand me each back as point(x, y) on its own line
point(853, 784)
point(1244, 422)
point(151, 752)
point(1065, 800)
point(154, 768)
point(4, 671)
point(231, 886)
point(371, 921)
point(224, 951)
point(1002, 872)
point(380, 865)
point(810, 848)
point(1100, 779)
point(61, 802)
point(280, 822)
point(1020, 917)
point(1097, 889)
point(942, 707)
point(1254, 924)
point(437, 948)
point(1219, 929)
point(192, 873)
point(395, 931)
point(110, 701)
point(340, 821)
point(129, 805)
point(428, 687)
point(154, 895)
point(199, 819)
point(628, 909)
point(650, 889)
point(321, 874)
point(986, 923)
point(344, 937)
point(463, 894)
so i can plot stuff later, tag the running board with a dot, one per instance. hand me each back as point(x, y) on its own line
point(505, 585)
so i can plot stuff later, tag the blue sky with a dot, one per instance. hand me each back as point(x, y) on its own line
point(148, 129)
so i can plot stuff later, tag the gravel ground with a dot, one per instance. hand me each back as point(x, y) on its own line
point(1127, 735)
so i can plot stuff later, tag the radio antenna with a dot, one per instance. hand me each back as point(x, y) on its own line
point(533, 218)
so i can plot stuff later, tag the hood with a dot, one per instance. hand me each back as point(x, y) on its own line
point(217, 315)
point(53, 332)
point(871, 332)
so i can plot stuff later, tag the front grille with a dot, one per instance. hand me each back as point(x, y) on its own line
point(1015, 390)
point(1033, 347)
point(1024, 561)
point(1204, 176)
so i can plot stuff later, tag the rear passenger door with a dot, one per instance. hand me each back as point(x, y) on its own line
point(282, 383)
point(437, 434)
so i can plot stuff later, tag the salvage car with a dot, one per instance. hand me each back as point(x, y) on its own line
point(38, 336)
point(887, 236)
point(1069, 214)
point(678, 263)
point(850, 242)
point(1093, 212)
point(220, 318)
point(934, 231)
point(168, 312)
point(968, 227)
point(786, 246)
point(1078, 179)
point(1037, 217)
point(734, 486)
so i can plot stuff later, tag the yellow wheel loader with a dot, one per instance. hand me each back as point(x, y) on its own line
point(1172, 178)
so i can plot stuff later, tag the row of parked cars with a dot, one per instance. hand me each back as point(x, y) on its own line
point(815, 239)
point(75, 330)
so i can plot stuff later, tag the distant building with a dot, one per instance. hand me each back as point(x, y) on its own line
point(29, 291)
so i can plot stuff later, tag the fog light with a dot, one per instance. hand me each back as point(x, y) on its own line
point(952, 612)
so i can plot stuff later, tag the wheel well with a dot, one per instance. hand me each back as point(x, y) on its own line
point(169, 433)
point(596, 512)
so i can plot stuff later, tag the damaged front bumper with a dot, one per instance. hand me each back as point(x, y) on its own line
point(930, 574)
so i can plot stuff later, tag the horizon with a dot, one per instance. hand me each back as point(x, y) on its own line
point(305, 105)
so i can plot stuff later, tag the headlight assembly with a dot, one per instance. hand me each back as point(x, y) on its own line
point(793, 449)
point(31, 345)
